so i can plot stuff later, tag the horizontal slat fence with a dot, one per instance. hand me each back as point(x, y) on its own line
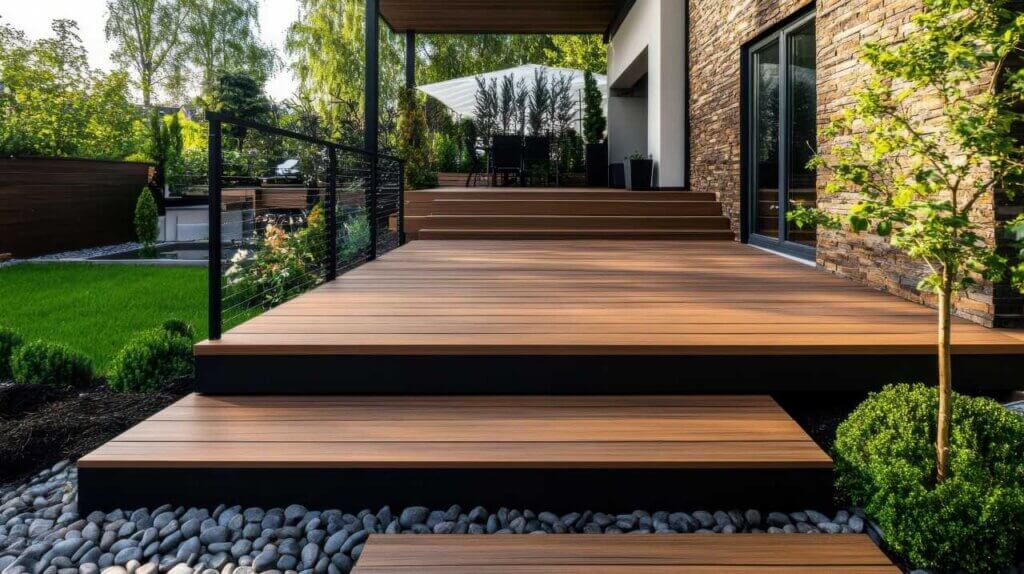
point(48, 205)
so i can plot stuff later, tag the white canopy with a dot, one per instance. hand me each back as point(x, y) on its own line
point(460, 94)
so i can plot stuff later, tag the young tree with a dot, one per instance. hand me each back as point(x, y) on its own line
point(920, 182)
point(594, 122)
point(413, 143)
point(540, 101)
point(242, 96)
point(221, 36)
point(487, 109)
point(147, 34)
point(507, 104)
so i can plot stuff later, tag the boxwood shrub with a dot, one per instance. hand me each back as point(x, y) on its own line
point(9, 342)
point(150, 360)
point(180, 328)
point(885, 462)
point(52, 364)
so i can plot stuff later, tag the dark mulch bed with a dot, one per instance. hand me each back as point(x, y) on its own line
point(41, 426)
point(819, 414)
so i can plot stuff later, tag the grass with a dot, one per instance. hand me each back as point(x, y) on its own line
point(97, 308)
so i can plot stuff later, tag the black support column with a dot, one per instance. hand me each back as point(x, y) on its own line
point(371, 104)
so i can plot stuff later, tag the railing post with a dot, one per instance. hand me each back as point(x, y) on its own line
point(331, 205)
point(214, 227)
point(401, 202)
point(371, 205)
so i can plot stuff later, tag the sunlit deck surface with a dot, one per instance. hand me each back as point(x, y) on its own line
point(711, 302)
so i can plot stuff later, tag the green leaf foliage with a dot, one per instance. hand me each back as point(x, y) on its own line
point(179, 328)
point(594, 122)
point(150, 360)
point(53, 104)
point(414, 145)
point(10, 340)
point(51, 364)
point(147, 220)
point(885, 462)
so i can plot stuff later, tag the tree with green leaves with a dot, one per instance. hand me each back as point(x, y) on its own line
point(328, 55)
point(594, 122)
point(920, 180)
point(222, 37)
point(578, 52)
point(147, 34)
point(53, 104)
point(242, 96)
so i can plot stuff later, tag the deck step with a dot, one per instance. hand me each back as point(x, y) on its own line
point(615, 554)
point(569, 222)
point(562, 207)
point(553, 234)
point(563, 214)
point(554, 194)
point(558, 452)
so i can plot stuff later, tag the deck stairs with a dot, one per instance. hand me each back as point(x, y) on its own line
point(504, 213)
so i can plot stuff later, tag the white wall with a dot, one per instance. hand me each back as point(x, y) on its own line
point(627, 127)
point(652, 39)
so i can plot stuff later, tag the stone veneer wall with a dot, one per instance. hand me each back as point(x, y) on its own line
point(718, 30)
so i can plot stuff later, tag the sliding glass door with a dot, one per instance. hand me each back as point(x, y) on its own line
point(781, 136)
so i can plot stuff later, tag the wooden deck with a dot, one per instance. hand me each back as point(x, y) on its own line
point(605, 554)
point(551, 441)
point(704, 305)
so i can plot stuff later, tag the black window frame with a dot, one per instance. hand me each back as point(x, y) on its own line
point(748, 125)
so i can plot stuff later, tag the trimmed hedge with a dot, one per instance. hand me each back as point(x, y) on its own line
point(52, 364)
point(10, 340)
point(180, 328)
point(885, 462)
point(150, 360)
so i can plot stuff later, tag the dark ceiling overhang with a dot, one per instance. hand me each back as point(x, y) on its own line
point(500, 16)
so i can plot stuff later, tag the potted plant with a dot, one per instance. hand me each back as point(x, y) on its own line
point(639, 172)
point(594, 124)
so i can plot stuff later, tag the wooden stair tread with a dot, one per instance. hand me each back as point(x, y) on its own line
point(608, 554)
point(578, 233)
point(511, 432)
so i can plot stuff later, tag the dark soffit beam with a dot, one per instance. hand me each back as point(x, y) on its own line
point(500, 16)
point(624, 6)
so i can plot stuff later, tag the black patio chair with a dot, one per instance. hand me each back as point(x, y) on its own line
point(537, 152)
point(507, 158)
point(476, 167)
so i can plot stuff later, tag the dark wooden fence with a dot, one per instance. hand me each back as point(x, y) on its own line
point(49, 205)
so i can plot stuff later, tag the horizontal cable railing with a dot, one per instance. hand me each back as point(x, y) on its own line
point(325, 210)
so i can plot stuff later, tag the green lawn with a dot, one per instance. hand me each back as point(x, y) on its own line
point(96, 308)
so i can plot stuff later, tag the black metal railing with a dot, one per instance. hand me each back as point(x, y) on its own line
point(275, 236)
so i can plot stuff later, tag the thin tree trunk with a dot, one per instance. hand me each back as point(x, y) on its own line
point(945, 380)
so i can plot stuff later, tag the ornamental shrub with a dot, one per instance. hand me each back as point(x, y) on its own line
point(147, 221)
point(150, 360)
point(9, 342)
point(180, 328)
point(51, 364)
point(885, 462)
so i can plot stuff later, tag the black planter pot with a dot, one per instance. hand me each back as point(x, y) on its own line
point(639, 174)
point(597, 165)
point(616, 176)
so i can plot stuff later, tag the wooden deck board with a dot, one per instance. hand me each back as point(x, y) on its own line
point(651, 554)
point(672, 432)
point(596, 298)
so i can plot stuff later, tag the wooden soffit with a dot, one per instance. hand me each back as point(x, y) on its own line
point(500, 16)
